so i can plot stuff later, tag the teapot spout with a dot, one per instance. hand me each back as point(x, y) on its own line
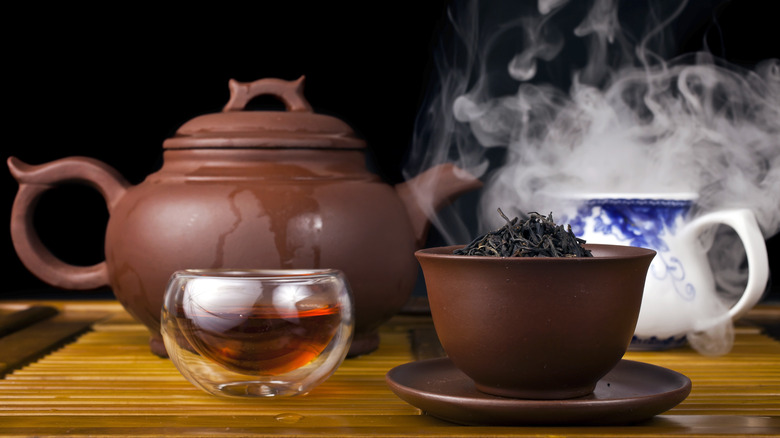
point(426, 193)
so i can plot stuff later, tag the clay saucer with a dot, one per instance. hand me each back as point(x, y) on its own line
point(629, 393)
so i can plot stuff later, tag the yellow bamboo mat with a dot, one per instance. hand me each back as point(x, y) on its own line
point(744, 382)
point(107, 383)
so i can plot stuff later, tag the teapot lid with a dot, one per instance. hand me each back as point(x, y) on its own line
point(299, 126)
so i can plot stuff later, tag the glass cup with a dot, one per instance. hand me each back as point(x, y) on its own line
point(257, 333)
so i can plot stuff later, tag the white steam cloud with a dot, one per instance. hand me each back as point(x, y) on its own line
point(625, 119)
point(509, 107)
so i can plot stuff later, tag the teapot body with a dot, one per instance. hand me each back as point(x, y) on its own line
point(248, 190)
point(263, 209)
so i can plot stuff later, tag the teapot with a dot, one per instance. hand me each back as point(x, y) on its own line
point(247, 189)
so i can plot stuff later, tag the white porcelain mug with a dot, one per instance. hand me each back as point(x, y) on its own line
point(680, 297)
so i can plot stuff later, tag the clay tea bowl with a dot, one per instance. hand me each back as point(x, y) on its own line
point(536, 327)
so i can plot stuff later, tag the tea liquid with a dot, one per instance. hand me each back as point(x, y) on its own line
point(261, 340)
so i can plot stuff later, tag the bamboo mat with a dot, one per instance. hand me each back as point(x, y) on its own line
point(107, 383)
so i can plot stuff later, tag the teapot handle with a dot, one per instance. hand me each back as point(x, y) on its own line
point(33, 182)
point(290, 92)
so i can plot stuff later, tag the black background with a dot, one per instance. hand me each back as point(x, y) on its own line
point(112, 83)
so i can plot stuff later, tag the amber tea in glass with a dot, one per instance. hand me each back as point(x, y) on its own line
point(257, 333)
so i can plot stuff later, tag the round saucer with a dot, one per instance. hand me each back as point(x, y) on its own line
point(631, 392)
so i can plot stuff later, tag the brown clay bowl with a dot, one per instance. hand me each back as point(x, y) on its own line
point(536, 328)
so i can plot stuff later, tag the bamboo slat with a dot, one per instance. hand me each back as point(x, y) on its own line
point(107, 383)
point(17, 320)
point(28, 333)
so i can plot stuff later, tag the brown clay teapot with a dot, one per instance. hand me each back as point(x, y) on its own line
point(247, 189)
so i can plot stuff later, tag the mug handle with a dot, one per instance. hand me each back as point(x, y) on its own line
point(743, 222)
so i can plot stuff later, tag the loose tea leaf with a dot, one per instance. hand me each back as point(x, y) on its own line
point(537, 236)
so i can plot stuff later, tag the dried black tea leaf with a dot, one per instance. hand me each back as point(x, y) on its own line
point(536, 236)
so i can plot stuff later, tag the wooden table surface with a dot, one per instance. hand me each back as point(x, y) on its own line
point(87, 371)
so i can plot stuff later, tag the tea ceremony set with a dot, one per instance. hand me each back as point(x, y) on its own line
point(247, 304)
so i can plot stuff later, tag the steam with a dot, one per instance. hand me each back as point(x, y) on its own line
point(508, 108)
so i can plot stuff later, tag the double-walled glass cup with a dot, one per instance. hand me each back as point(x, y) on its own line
point(257, 333)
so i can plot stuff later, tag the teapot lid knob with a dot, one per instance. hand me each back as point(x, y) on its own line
point(234, 127)
point(290, 93)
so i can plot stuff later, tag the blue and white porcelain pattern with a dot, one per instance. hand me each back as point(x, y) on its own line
point(646, 223)
point(680, 289)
